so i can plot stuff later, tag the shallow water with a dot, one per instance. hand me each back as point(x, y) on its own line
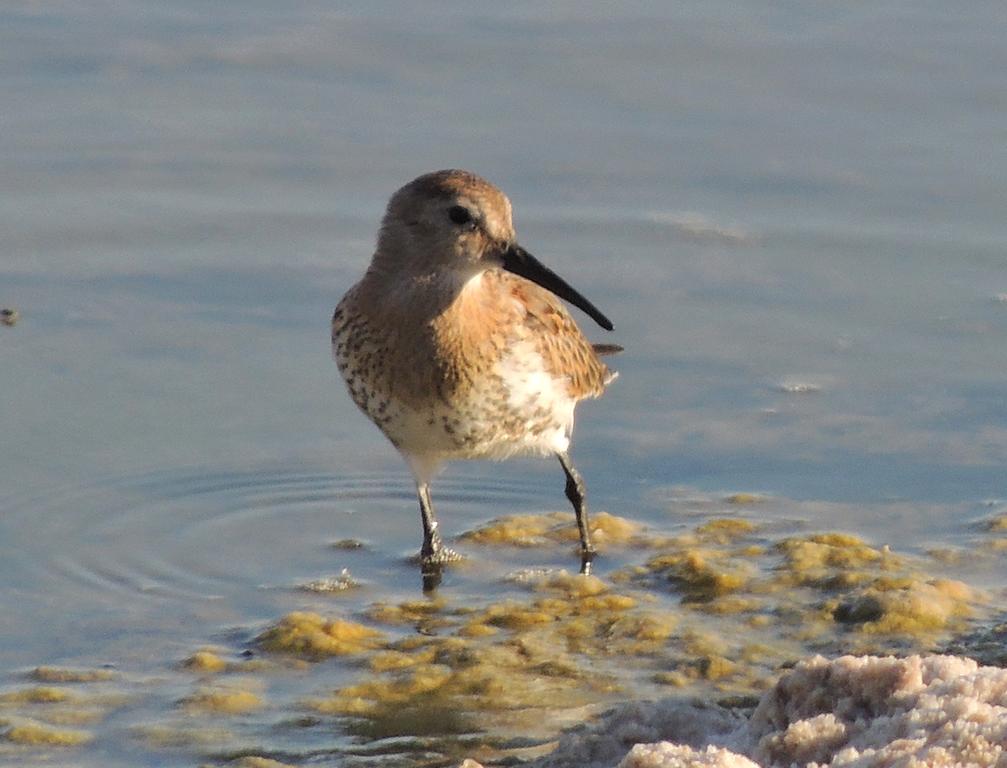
point(794, 218)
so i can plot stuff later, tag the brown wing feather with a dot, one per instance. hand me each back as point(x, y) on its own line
point(560, 341)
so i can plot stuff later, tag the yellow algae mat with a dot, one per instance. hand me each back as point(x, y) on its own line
point(717, 611)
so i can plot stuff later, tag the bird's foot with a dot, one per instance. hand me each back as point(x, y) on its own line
point(434, 554)
point(586, 559)
point(441, 557)
point(433, 557)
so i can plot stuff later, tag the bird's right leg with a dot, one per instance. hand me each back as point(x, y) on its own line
point(431, 564)
point(576, 494)
point(433, 551)
point(432, 545)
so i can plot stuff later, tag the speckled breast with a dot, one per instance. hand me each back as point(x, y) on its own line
point(426, 404)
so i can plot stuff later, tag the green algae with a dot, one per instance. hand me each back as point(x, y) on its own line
point(309, 634)
point(714, 611)
point(205, 662)
point(40, 734)
point(832, 561)
point(718, 609)
point(701, 575)
point(744, 498)
point(63, 675)
point(255, 761)
point(725, 530)
point(547, 530)
point(37, 695)
point(49, 715)
point(748, 604)
point(222, 701)
point(454, 676)
point(821, 590)
point(534, 654)
point(907, 607)
point(996, 524)
point(423, 614)
point(163, 736)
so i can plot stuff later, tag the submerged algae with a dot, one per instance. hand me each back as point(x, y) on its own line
point(510, 660)
point(832, 561)
point(423, 614)
point(557, 527)
point(256, 761)
point(558, 642)
point(702, 574)
point(51, 716)
point(37, 695)
point(996, 524)
point(908, 607)
point(31, 733)
point(204, 662)
point(63, 675)
point(222, 701)
point(715, 611)
point(309, 634)
point(816, 588)
point(161, 736)
point(723, 530)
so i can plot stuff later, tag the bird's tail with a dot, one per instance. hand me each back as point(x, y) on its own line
point(602, 350)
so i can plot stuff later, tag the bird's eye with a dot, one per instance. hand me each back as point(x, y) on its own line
point(459, 214)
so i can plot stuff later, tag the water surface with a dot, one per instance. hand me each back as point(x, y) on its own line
point(793, 216)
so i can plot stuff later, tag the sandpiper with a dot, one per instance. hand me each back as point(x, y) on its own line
point(456, 344)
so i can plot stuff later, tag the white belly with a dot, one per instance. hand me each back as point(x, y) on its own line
point(519, 410)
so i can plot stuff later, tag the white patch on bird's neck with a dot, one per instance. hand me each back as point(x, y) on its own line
point(454, 282)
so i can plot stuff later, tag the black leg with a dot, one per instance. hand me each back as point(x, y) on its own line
point(433, 555)
point(576, 494)
point(431, 565)
point(431, 539)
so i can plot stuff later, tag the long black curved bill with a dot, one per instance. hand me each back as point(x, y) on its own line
point(517, 260)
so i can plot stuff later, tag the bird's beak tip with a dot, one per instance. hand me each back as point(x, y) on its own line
point(518, 261)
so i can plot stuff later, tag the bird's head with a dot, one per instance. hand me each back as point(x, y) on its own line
point(452, 225)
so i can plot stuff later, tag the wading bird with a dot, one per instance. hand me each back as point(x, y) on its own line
point(457, 345)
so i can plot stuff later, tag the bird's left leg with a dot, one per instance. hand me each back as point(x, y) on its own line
point(576, 494)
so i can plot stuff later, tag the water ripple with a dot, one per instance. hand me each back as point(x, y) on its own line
point(203, 533)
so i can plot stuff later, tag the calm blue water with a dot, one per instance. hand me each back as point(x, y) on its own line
point(794, 216)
